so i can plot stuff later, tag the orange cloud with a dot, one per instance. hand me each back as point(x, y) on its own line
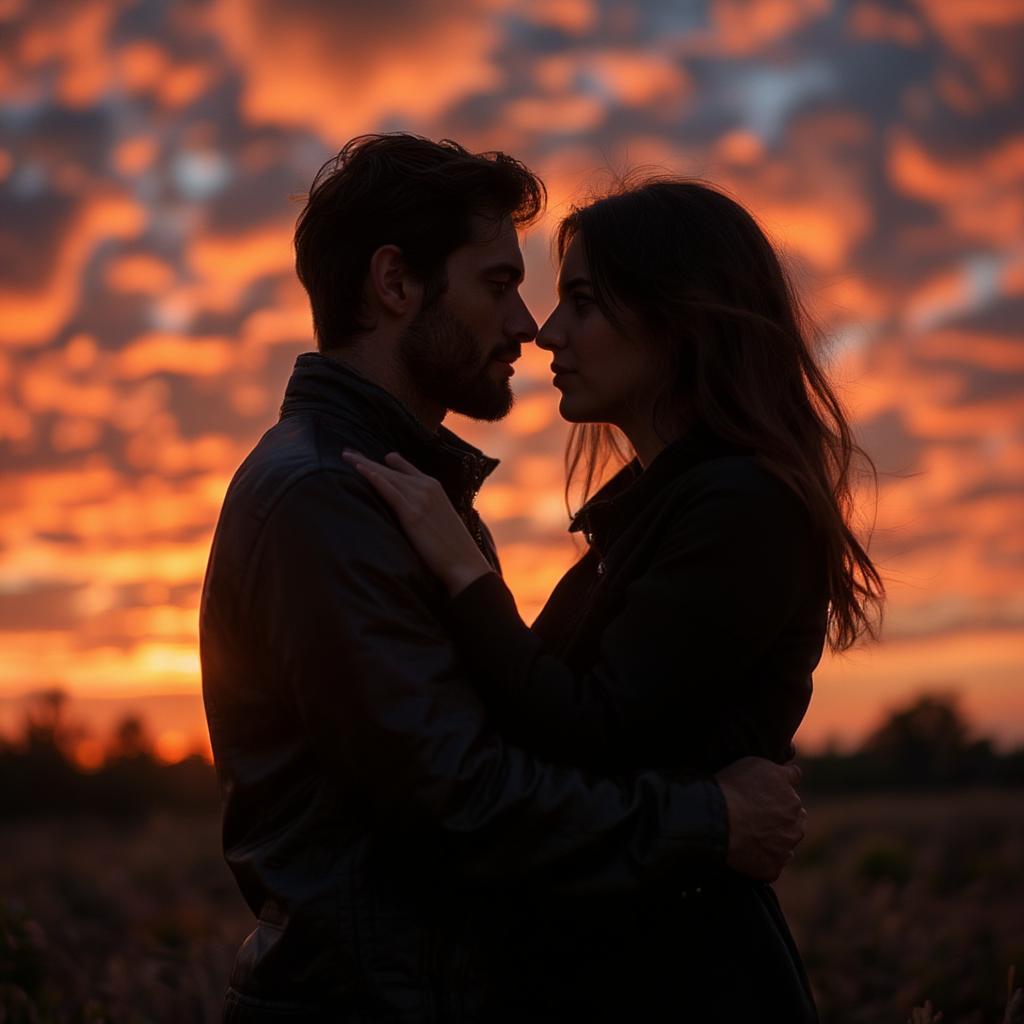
point(38, 658)
point(141, 65)
point(741, 28)
point(173, 563)
point(555, 114)
point(821, 234)
point(227, 264)
point(133, 156)
point(141, 272)
point(72, 435)
point(875, 22)
point(341, 70)
point(740, 147)
point(572, 16)
point(631, 78)
point(43, 390)
point(163, 352)
point(33, 317)
point(985, 32)
point(74, 37)
point(278, 325)
point(982, 195)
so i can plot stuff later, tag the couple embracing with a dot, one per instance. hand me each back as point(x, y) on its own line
point(436, 812)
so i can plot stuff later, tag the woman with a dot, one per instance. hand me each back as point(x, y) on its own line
point(719, 561)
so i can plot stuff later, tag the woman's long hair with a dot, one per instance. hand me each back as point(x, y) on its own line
point(694, 267)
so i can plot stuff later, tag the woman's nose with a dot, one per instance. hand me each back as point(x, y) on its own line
point(550, 336)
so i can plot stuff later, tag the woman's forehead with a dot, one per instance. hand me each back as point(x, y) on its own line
point(574, 262)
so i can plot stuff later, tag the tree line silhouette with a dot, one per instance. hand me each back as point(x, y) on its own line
point(926, 744)
point(40, 775)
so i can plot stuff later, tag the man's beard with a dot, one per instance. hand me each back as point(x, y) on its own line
point(446, 364)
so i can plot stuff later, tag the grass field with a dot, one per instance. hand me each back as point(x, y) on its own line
point(893, 899)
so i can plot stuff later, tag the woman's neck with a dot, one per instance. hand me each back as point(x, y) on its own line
point(647, 441)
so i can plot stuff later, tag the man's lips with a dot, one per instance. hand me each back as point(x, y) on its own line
point(506, 359)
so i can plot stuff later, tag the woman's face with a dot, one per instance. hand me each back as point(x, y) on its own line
point(605, 375)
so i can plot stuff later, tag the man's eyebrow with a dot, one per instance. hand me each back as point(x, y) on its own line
point(514, 271)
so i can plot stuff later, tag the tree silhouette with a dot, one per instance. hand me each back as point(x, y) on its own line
point(927, 740)
point(131, 740)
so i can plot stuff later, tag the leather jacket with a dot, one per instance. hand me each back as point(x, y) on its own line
point(371, 811)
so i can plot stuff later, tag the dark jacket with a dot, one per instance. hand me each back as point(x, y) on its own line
point(682, 640)
point(371, 812)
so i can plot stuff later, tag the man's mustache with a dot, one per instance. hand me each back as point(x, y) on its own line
point(506, 354)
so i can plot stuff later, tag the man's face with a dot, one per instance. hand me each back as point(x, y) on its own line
point(459, 352)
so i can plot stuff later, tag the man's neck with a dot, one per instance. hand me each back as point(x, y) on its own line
point(384, 371)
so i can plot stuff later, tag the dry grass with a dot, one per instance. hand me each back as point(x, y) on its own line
point(894, 900)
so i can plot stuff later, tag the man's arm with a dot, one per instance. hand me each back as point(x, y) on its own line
point(344, 612)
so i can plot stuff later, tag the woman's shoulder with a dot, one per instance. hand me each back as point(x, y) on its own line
point(743, 475)
point(739, 492)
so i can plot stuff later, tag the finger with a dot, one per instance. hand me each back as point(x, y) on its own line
point(362, 462)
point(355, 458)
point(374, 473)
point(793, 773)
point(401, 464)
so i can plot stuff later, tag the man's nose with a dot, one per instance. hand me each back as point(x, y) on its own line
point(522, 326)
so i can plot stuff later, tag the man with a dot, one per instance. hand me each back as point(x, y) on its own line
point(371, 811)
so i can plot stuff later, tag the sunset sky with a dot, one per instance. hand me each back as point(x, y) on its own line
point(153, 157)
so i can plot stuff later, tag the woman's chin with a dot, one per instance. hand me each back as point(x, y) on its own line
point(572, 412)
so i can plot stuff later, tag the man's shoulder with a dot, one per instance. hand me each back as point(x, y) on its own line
point(294, 458)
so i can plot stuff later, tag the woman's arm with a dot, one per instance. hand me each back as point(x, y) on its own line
point(723, 582)
point(721, 586)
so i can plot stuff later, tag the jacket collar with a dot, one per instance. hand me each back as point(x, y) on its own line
point(626, 494)
point(322, 385)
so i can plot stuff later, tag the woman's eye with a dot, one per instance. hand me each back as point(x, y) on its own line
point(580, 302)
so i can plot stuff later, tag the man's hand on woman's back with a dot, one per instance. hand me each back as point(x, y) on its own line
point(767, 819)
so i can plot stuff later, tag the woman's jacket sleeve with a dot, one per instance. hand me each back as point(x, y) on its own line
point(720, 585)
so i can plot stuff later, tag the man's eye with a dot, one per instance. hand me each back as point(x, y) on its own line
point(502, 286)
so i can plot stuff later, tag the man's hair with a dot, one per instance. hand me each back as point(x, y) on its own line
point(403, 190)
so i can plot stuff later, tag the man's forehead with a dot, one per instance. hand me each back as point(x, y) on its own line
point(495, 239)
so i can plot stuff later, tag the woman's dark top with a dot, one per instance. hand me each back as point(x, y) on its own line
point(681, 641)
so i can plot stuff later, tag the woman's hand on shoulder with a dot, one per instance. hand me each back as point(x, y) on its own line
point(427, 517)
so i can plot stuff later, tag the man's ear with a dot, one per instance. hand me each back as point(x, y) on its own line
point(391, 286)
